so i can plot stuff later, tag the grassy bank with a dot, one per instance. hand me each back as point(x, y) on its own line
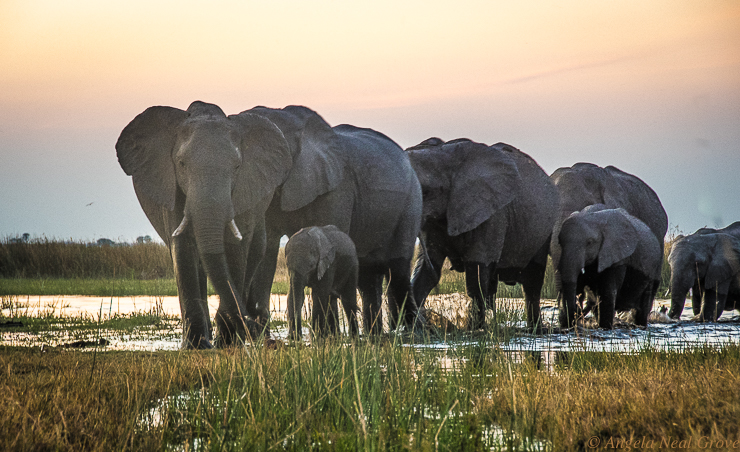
point(46, 267)
point(368, 396)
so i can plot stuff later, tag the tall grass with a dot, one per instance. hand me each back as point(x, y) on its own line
point(46, 258)
point(55, 261)
point(365, 396)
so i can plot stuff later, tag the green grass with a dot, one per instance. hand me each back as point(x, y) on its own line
point(378, 395)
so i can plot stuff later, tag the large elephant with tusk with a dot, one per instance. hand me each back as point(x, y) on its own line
point(221, 191)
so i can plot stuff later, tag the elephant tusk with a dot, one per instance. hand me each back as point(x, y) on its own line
point(182, 226)
point(235, 230)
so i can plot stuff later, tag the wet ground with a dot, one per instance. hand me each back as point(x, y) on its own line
point(166, 334)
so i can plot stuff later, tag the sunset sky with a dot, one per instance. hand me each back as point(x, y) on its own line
point(652, 87)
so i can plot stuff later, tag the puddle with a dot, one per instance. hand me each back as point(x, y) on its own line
point(167, 333)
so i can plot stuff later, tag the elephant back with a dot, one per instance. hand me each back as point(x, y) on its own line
point(532, 213)
point(387, 211)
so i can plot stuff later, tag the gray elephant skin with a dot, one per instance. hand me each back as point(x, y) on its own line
point(585, 184)
point(708, 263)
point(616, 255)
point(324, 259)
point(490, 210)
point(221, 191)
point(360, 181)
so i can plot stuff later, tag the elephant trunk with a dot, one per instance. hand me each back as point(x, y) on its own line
point(296, 297)
point(679, 289)
point(567, 308)
point(210, 219)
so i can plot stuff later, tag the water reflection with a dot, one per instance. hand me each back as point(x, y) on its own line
point(544, 350)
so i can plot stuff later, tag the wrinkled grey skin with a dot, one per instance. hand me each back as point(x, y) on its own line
point(586, 184)
point(362, 182)
point(490, 210)
point(709, 264)
point(324, 259)
point(613, 253)
point(194, 172)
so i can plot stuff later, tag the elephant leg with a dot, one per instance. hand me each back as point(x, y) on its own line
point(696, 294)
point(533, 278)
point(645, 305)
point(399, 287)
point(610, 281)
point(254, 255)
point(296, 296)
point(708, 311)
point(191, 290)
point(477, 283)
point(258, 302)
point(370, 286)
point(427, 274)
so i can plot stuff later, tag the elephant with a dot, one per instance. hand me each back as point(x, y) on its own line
point(709, 264)
point(205, 181)
point(733, 229)
point(221, 191)
point(613, 253)
point(324, 259)
point(362, 182)
point(585, 184)
point(490, 210)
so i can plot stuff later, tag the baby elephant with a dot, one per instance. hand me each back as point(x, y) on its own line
point(324, 259)
point(616, 256)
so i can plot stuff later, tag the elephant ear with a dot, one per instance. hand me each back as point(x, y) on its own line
point(620, 238)
point(144, 151)
point(266, 161)
point(317, 166)
point(725, 262)
point(486, 180)
point(326, 251)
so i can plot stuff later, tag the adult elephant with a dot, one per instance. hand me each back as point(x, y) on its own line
point(206, 181)
point(708, 263)
point(490, 210)
point(586, 184)
point(360, 181)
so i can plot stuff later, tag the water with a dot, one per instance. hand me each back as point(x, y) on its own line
point(167, 334)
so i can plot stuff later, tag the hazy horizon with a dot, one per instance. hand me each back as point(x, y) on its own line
point(650, 87)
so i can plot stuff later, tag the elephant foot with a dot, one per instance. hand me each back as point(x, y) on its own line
point(231, 330)
point(196, 344)
point(476, 322)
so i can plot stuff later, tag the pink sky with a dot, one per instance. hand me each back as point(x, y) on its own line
point(650, 86)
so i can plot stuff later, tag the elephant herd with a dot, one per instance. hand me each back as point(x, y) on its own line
point(222, 190)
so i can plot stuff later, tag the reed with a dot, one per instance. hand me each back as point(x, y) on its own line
point(367, 395)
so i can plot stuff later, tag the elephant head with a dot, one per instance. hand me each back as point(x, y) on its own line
point(310, 252)
point(196, 172)
point(463, 183)
point(707, 262)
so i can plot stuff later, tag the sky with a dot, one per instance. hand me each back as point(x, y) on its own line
point(652, 87)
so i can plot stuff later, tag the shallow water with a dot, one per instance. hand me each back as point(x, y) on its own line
point(168, 333)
